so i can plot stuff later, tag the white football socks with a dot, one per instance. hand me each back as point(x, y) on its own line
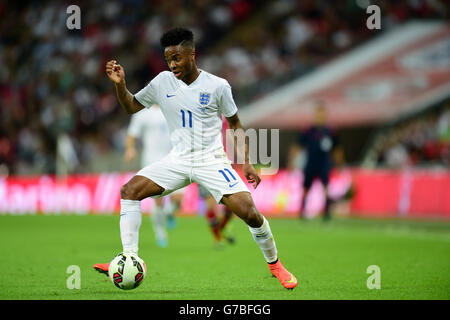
point(264, 238)
point(130, 222)
point(158, 218)
point(131, 219)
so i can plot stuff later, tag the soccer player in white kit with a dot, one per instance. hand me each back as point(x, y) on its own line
point(192, 101)
point(150, 126)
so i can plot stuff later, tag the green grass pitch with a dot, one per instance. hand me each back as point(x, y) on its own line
point(329, 260)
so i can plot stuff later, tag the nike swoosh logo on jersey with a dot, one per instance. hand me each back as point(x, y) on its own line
point(232, 185)
point(170, 95)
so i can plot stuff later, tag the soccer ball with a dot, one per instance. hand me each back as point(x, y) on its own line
point(127, 271)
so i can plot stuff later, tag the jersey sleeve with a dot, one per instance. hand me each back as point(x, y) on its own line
point(226, 102)
point(149, 95)
point(136, 125)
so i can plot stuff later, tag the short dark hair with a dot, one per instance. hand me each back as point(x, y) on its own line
point(177, 35)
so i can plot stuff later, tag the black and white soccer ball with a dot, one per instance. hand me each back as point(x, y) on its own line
point(127, 271)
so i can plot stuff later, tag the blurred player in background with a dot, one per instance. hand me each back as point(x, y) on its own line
point(193, 102)
point(217, 220)
point(151, 128)
point(321, 146)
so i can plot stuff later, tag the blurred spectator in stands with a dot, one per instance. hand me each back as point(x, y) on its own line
point(52, 79)
point(423, 140)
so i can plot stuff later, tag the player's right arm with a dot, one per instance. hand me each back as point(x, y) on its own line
point(116, 74)
point(247, 168)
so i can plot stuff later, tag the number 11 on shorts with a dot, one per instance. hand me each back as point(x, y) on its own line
point(228, 179)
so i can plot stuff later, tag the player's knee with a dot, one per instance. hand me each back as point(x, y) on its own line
point(128, 192)
point(124, 192)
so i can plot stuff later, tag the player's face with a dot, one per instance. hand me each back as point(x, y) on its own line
point(180, 61)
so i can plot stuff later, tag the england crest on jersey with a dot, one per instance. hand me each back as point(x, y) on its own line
point(204, 98)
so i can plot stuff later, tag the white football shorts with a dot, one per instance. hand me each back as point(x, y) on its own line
point(219, 179)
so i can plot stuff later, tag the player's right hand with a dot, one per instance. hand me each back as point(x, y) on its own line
point(115, 71)
point(250, 173)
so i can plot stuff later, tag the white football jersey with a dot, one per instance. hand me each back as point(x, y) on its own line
point(151, 127)
point(193, 113)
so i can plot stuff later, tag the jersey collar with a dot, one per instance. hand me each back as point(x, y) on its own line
point(193, 82)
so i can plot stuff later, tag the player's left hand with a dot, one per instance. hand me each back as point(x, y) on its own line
point(251, 175)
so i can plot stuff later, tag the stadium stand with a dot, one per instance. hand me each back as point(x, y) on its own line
point(54, 94)
point(423, 140)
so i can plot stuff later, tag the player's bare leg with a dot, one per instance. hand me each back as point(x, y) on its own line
point(139, 188)
point(242, 205)
point(131, 194)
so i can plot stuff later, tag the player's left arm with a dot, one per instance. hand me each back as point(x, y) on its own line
point(247, 168)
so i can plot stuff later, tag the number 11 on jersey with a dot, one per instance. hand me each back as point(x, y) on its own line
point(183, 117)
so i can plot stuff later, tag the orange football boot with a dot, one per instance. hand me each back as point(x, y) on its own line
point(102, 268)
point(286, 278)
